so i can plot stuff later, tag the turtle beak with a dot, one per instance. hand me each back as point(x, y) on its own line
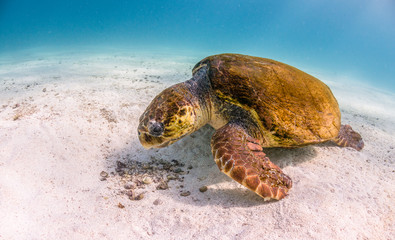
point(144, 140)
point(149, 140)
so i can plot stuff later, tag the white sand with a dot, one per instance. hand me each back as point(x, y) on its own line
point(66, 117)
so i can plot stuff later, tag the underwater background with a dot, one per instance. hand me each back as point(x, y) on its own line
point(353, 39)
point(76, 75)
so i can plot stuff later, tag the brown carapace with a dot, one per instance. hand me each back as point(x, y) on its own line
point(253, 103)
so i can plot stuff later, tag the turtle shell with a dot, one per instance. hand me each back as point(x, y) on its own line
point(291, 107)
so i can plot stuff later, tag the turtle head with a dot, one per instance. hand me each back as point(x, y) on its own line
point(169, 117)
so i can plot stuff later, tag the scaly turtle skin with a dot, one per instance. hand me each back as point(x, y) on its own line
point(253, 103)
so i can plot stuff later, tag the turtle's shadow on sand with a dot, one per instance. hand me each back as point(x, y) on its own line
point(199, 144)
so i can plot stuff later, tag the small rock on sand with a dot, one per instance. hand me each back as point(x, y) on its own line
point(203, 189)
point(185, 193)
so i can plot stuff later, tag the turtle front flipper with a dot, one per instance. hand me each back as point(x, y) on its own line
point(240, 156)
point(349, 138)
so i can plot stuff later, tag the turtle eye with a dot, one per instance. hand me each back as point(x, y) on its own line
point(155, 129)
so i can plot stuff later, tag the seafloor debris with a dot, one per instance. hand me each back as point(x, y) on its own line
point(203, 189)
point(185, 193)
point(158, 202)
point(132, 177)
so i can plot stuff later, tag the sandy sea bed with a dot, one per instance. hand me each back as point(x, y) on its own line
point(65, 118)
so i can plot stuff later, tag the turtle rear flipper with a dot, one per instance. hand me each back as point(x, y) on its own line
point(349, 138)
point(240, 156)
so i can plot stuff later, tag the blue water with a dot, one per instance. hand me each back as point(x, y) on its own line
point(352, 38)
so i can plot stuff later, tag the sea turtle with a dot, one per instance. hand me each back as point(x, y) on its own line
point(253, 103)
